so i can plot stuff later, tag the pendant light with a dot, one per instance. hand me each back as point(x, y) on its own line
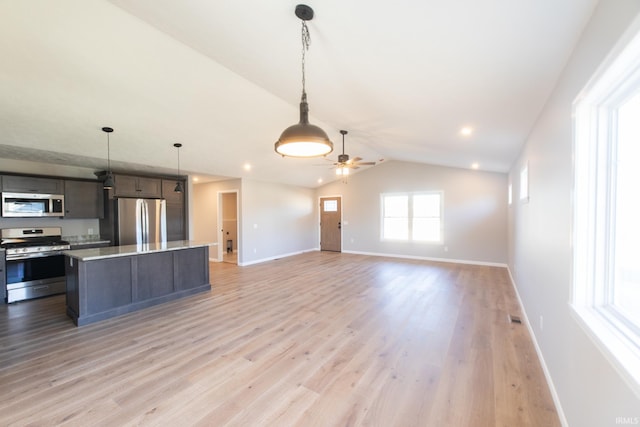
point(108, 182)
point(178, 188)
point(304, 139)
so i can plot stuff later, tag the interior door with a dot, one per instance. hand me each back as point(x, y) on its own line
point(331, 224)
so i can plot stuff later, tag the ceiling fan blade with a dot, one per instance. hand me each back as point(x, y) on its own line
point(366, 163)
point(356, 159)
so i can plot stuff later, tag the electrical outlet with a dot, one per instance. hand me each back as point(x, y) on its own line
point(541, 322)
point(446, 248)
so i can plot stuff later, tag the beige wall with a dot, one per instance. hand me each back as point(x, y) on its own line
point(230, 220)
point(276, 220)
point(205, 212)
point(475, 211)
point(588, 388)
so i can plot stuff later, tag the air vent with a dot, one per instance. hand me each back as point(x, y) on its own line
point(514, 319)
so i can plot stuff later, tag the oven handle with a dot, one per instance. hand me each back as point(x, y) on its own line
point(32, 255)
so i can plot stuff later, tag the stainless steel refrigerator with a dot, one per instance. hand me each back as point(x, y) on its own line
point(141, 221)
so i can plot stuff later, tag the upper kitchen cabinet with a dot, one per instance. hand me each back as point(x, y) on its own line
point(137, 186)
point(168, 193)
point(83, 199)
point(175, 210)
point(32, 184)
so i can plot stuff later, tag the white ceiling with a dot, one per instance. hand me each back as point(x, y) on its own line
point(224, 79)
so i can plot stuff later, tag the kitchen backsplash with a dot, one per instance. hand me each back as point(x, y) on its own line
point(70, 227)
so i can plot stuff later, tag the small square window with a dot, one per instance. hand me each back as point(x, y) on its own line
point(330, 206)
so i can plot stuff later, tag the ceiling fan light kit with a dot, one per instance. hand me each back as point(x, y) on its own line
point(304, 139)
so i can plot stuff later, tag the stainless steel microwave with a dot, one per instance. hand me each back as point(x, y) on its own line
point(21, 205)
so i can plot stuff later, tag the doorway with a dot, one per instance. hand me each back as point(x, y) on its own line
point(331, 224)
point(228, 247)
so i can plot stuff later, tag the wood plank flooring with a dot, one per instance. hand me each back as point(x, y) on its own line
point(319, 339)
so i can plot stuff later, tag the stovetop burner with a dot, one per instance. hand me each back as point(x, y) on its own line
point(32, 240)
point(32, 243)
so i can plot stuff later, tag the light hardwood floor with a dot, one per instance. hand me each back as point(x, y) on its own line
point(319, 339)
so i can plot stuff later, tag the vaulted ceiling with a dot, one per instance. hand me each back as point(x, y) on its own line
point(224, 79)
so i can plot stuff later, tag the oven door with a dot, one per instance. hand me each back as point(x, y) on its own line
point(35, 277)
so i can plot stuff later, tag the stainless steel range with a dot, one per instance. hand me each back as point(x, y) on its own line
point(34, 262)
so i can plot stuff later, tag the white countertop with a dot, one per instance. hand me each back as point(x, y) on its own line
point(128, 250)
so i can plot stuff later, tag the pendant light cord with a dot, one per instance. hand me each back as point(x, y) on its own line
point(108, 153)
point(306, 40)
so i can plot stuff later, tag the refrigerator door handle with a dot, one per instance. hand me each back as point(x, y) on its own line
point(139, 222)
point(145, 221)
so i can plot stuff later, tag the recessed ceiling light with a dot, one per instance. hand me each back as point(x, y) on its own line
point(475, 165)
point(466, 131)
point(247, 166)
point(319, 180)
point(195, 179)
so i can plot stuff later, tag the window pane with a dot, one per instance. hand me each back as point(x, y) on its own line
point(426, 229)
point(426, 205)
point(627, 211)
point(330, 206)
point(396, 228)
point(396, 206)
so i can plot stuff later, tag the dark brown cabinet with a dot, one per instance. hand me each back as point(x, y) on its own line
point(32, 184)
point(175, 210)
point(137, 186)
point(83, 199)
point(3, 275)
point(102, 287)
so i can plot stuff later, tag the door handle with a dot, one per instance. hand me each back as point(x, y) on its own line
point(339, 225)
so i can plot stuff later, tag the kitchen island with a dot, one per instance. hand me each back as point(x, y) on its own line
point(110, 281)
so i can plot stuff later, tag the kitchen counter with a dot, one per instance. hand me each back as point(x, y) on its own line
point(86, 244)
point(127, 250)
point(110, 281)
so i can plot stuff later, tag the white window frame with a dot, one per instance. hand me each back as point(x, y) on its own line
point(595, 139)
point(410, 238)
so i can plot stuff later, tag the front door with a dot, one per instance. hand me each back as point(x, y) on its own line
point(330, 224)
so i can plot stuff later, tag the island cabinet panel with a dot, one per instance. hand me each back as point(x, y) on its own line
point(190, 268)
point(152, 273)
point(101, 287)
point(112, 287)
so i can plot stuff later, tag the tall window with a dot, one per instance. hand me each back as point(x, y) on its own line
point(412, 217)
point(606, 289)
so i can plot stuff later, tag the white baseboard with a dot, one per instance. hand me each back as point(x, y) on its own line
point(547, 374)
point(453, 261)
point(258, 261)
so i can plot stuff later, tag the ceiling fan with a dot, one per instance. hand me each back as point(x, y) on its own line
point(344, 163)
